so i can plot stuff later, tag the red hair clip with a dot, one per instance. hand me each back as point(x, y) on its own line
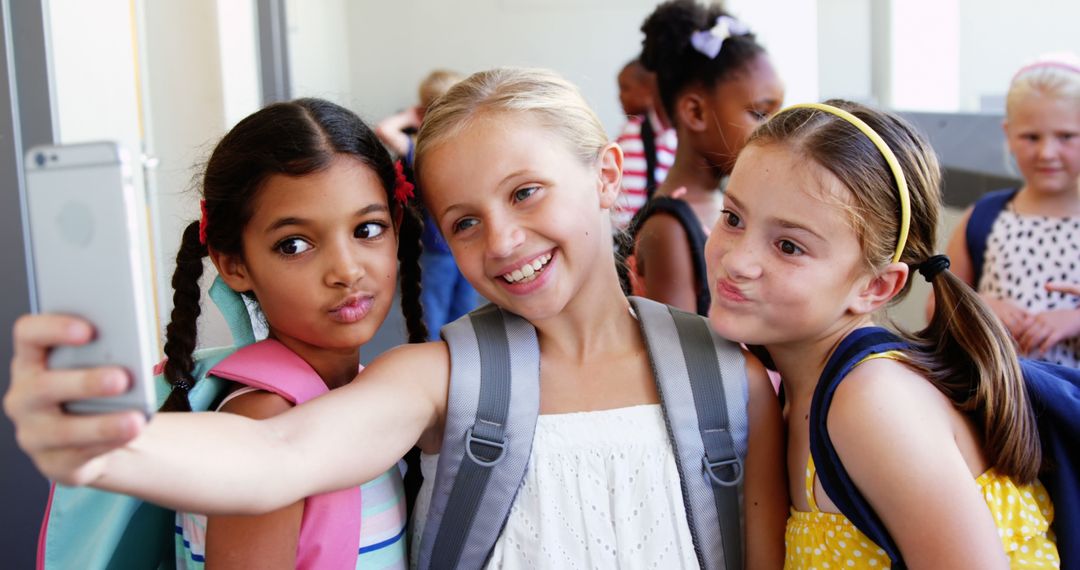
point(403, 189)
point(202, 222)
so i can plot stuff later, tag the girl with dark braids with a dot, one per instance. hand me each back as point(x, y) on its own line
point(306, 218)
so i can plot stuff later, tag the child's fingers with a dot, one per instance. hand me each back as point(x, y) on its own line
point(35, 335)
point(48, 434)
point(1035, 336)
point(1067, 288)
point(1049, 343)
point(38, 392)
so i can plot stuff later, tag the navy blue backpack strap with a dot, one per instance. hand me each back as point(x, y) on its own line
point(834, 478)
point(983, 214)
point(1054, 392)
point(694, 234)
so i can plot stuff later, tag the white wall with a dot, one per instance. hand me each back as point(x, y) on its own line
point(789, 31)
point(844, 50)
point(95, 80)
point(998, 36)
point(925, 54)
point(238, 43)
point(195, 95)
point(319, 58)
point(394, 44)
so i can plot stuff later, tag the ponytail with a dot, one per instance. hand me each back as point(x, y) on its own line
point(895, 185)
point(968, 355)
point(181, 334)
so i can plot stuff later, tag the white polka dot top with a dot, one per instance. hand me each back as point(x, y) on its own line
point(1023, 253)
point(601, 491)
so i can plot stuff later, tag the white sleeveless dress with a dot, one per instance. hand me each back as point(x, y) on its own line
point(601, 491)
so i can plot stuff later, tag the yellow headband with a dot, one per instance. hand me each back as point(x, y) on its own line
point(894, 165)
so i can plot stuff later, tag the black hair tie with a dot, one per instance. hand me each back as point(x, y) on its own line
point(931, 267)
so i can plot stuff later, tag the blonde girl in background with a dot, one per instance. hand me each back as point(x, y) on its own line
point(1034, 241)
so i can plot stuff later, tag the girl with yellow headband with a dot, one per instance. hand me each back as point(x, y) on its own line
point(829, 212)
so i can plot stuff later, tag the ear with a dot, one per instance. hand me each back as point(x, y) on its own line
point(609, 168)
point(880, 288)
point(232, 270)
point(691, 109)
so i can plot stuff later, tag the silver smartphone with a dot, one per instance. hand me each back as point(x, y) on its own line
point(90, 257)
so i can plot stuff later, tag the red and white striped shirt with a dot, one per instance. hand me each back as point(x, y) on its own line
point(633, 194)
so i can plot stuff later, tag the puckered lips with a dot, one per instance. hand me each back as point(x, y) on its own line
point(354, 308)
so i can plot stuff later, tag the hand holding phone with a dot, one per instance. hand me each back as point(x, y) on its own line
point(89, 243)
point(64, 447)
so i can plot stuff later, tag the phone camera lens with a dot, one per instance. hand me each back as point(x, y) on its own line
point(40, 159)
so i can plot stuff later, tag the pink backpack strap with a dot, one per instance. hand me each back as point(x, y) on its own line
point(330, 528)
point(269, 365)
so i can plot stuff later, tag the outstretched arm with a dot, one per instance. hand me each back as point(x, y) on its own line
point(220, 463)
point(390, 130)
point(262, 541)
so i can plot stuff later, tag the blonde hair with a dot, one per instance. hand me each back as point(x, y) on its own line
point(964, 350)
point(539, 93)
point(435, 85)
point(1056, 75)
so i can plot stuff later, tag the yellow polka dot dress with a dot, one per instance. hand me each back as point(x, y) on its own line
point(818, 540)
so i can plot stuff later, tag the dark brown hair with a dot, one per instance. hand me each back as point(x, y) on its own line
point(294, 138)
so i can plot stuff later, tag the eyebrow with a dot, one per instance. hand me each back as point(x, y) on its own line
point(787, 224)
point(514, 174)
point(295, 221)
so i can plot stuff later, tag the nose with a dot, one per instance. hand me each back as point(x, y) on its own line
point(1047, 148)
point(344, 267)
point(736, 254)
point(503, 238)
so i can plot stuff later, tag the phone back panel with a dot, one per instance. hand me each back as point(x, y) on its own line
point(90, 245)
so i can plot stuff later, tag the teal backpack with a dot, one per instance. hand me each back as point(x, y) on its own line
point(88, 528)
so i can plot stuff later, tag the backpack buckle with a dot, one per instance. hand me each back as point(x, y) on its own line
point(718, 471)
point(498, 446)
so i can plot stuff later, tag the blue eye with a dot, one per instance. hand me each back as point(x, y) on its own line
point(523, 194)
point(369, 230)
point(464, 224)
point(292, 246)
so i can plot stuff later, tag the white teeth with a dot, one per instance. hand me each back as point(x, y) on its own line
point(528, 271)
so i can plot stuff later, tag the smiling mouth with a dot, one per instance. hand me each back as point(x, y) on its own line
point(528, 271)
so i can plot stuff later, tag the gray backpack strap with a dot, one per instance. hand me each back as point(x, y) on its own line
point(704, 396)
point(493, 401)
